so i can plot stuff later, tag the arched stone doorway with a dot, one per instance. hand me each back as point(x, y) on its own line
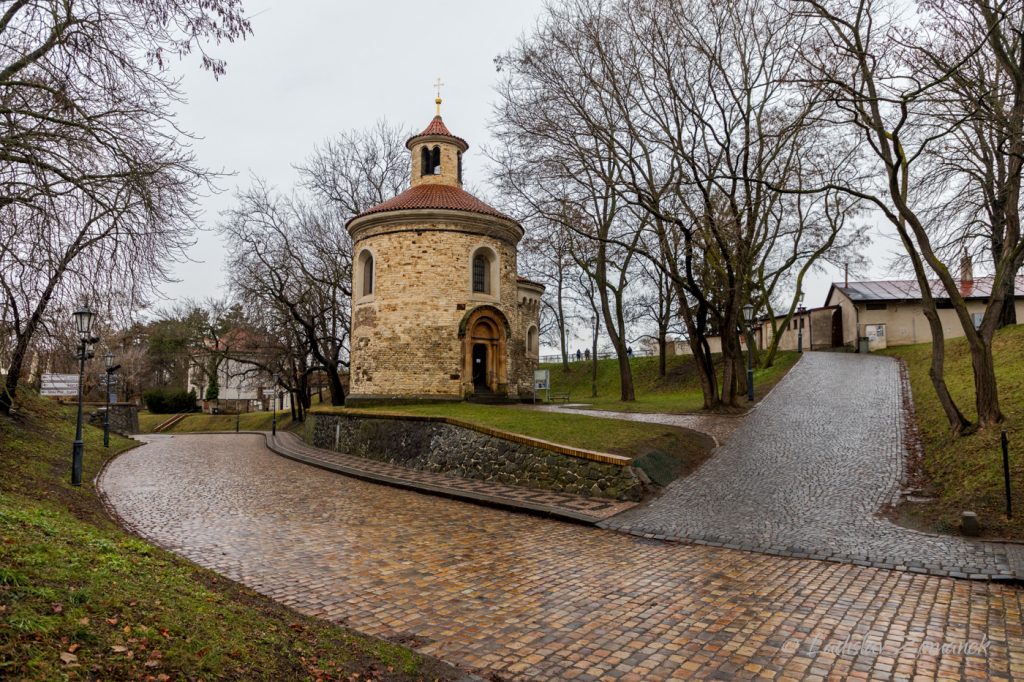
point(484, 349)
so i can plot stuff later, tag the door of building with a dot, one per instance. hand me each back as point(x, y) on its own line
point(480, 365)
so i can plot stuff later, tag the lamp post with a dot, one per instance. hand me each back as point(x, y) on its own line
point(273, 422)
point(84, 319)
point(238, 407)
point(111, 368)
point(748, 317)
point(593, 372)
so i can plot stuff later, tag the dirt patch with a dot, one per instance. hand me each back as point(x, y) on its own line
point(672, 456)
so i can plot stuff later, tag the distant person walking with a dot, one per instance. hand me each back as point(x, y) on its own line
point(586, 354)
point(629, 352)
point(579, 355)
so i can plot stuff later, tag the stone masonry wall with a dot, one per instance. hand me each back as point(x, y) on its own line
point(405, 336)
point(441, 447)
point(124, 418)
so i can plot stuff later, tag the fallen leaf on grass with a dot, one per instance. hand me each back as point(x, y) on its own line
point(74, 647)
point(83, 621)
point(67, 658)
point(111, 621)
point(56, 608)
point(118, 649)
point(152, 663)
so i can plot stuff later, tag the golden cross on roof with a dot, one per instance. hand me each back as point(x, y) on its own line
point(438, 84)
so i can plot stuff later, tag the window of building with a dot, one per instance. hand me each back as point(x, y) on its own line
point(435, 161)
point(876, 306)
point(480, 273)
point(366, 273)
point(483, 269)
point(532, 341)
point(425, 167)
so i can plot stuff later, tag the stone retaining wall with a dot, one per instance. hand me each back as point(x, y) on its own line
point(431, 445)
point(124, 418)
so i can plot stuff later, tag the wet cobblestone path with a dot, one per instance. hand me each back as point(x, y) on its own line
point(526, 597)
point(806, 473)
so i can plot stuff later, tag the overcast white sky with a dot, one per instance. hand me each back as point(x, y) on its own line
point(314, 68)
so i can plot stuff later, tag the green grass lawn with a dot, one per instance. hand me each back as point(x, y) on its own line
point(967, 472)
point(149, 421)
point(199, 421)
point(589, 433)
point(676, 393)
point(82, 599)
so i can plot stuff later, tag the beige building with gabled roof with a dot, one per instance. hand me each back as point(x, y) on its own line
point(895, 306)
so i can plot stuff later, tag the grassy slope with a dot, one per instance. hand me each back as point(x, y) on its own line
point(967, 472)
point(678, 392)
point(250, 421)
point(73, 584)
point(590, 433)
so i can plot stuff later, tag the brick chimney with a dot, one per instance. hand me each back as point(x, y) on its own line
point(966, 269)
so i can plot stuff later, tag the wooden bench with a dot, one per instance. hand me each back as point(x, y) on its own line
point(564, 397)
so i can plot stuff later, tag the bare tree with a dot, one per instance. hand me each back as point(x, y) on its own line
point(867, 60)
point(97, 186)
point(294, 258)
point(686, 110)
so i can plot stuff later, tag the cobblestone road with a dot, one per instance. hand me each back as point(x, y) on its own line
point(805, 474)
point(526, 597)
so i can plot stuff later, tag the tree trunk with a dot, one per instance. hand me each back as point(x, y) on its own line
point(958, 424)
point(986, 395)
point(337, 390)
point(563, 342)
point(662, 353)
point(1007, 313)
point(13, 376)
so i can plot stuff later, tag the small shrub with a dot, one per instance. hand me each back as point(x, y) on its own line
point(168, 401)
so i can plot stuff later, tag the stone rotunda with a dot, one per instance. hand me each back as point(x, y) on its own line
point(438, 309)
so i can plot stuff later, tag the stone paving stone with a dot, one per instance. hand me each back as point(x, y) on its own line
point(808, 471)
point(489, 590)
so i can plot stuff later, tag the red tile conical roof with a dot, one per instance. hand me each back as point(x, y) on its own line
point(429, 196)
point(437, 127)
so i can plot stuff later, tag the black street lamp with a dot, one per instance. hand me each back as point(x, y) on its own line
point(84, 319)
point(273, 422)
point(111, 368)
point(748, 317)
point(238, 407)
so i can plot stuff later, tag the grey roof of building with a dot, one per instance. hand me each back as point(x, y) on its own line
point(908, 290)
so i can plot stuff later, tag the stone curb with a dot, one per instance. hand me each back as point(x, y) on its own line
point(903, 565)
point(500, 502)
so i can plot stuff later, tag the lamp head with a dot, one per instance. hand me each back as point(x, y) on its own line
point(109, 357)
point(748, 313)
point(84, 319)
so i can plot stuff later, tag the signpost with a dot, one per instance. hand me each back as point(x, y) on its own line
point(541, 382)
point(59, 385)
